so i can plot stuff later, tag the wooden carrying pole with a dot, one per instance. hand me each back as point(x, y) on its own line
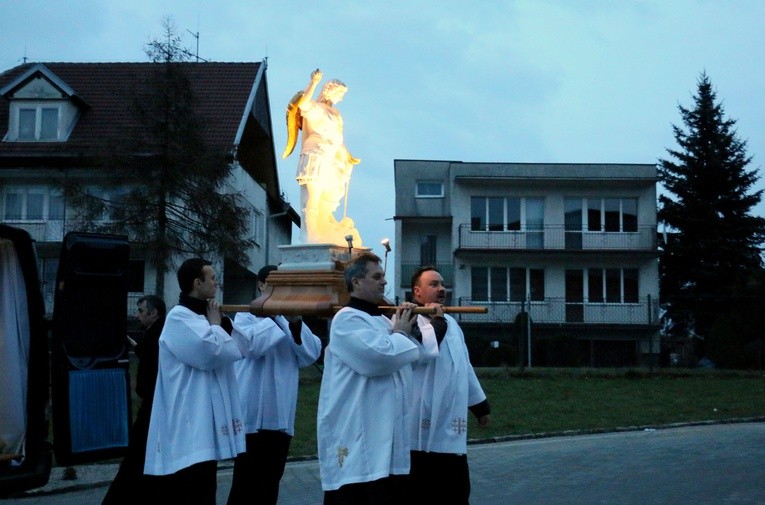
point(318, 293)
point(297, 309)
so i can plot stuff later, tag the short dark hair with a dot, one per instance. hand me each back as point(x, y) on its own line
point(153, 302)
point(357, 268)
point(191, 269)
point(418, 273)
point(263, 272)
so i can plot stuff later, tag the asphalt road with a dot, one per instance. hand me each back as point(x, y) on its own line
point(708, 464)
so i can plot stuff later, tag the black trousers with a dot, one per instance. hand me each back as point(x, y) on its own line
point(438, 477)
point(196, 484)
point(391, 490)
point(130, 485)
point(258, 471)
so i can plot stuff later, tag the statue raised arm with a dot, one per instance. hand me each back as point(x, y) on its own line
point(325, 164)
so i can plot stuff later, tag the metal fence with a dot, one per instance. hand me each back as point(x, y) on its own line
point(40, 231)
point(558, 238)
point(560, 311)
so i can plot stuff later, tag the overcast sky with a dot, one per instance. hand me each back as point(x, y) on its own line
point(496, 81)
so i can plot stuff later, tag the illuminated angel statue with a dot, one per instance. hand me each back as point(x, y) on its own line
point(324, 169)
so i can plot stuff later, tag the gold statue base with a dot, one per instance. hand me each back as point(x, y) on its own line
point(309, 280)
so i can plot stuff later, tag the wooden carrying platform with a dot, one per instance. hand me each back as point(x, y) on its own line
point(318, 293)
point(301, 292)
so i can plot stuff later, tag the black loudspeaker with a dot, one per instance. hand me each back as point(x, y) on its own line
point(91, 377)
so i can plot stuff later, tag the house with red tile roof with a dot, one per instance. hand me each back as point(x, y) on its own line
point(55, 120)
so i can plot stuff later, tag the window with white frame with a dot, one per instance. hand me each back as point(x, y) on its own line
point(488, 213)
point(612, 214)
point(32, 203)
point(612, 285)
point(257, 226)
point(429, 189)
point(501, 284)
point(38, 123)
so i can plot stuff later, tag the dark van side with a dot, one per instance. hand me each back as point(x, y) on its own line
point(86, 367)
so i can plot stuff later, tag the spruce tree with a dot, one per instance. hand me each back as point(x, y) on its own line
point(161, 185)
point(714, 240)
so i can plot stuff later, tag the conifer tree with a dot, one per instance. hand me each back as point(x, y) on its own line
point(714, 240)
point(162, 186)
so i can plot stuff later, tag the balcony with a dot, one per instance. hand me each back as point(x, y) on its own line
point(556, 237)
point(445, 269)
point(40, 231)
point(558, 311)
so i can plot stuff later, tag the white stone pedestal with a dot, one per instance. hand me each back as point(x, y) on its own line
point(316, 256)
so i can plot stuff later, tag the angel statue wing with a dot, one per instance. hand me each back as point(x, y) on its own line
point(294, 123)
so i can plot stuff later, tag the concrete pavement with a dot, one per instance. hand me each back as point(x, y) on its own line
point(681, 463)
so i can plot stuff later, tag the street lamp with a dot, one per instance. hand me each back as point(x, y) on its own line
point(349, 239)
point(386, 244)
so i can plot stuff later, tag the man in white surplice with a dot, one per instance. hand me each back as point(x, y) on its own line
point(362, 423)
point(196, 417)
point(444, 389)
point(268, 389)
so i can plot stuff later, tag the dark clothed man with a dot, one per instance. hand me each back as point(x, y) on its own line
point(130, 485)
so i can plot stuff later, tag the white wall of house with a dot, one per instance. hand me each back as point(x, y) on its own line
point(255, 199)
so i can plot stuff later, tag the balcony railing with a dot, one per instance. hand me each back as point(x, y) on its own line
point(556, 237)
point(445, 269)
point(40, 231)
point(560, 311)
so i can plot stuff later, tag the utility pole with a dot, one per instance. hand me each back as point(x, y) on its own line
point(528, 331)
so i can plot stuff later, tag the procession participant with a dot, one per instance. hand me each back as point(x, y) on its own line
point(444, 389)
point(130, 485)
point(196, 417)
point(362, 422)
point(268, 389)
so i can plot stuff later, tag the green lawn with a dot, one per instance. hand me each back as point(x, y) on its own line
point(546, 400)
point(554, 400)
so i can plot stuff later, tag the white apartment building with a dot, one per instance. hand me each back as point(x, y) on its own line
point(573, 245)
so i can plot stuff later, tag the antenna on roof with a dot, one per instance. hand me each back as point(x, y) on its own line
point(196, 36)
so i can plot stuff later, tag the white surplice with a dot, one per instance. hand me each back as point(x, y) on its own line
point(362, 422)
point(196, 415)
point(268, 376)
point(443, 389)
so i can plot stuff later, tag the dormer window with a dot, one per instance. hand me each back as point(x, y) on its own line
point(38, 123)
point(43, 108)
